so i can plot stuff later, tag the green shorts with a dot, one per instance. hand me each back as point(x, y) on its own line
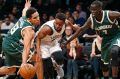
point(106, 47)
point(13, 53)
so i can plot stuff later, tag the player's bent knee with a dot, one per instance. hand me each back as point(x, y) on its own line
point(114, 55)
point(58, 57)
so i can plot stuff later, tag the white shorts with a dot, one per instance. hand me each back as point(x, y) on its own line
point(48, 50)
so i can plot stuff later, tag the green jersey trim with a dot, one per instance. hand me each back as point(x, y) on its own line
point(103, 16)
point(112, 22)
point(91, 21)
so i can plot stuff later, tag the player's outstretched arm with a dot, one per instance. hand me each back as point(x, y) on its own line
point(27, 5)
point(80, 30)
point(39, 64)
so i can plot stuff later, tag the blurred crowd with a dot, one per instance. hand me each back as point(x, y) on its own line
point(75, 10)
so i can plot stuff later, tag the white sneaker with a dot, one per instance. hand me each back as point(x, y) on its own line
point(60, 71)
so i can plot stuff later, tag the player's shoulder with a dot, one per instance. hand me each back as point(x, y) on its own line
point(50, 22)
point(113, 14)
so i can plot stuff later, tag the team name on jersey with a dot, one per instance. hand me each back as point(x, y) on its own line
point(104, 27)
point(55, 37)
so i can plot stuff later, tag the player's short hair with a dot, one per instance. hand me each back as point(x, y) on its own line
point(60, 16)
point(30, 11)
point(97, 3)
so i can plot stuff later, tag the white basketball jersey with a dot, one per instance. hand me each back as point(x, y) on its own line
point(54, 38)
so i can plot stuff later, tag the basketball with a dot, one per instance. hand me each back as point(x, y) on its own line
point(27, 71)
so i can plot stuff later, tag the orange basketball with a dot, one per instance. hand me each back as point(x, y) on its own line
point(27, 71)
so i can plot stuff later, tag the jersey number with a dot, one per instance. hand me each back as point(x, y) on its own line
point(14, 28)
point(105, 31)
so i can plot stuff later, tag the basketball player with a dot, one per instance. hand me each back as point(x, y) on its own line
point(106, 25)
point(16, 45)
point(47, 42)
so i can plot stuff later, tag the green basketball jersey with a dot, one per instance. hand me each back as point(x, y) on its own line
point(12, 44)
point(14, 35)
point(110, 31)
point(106, 28)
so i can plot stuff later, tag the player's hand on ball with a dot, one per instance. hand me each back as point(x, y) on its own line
point(27, 71)
point(19, 69)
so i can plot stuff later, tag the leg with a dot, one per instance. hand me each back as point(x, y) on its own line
point(114, 72)
point(75, 69)
point(58, 57)
point(58, 68)
point(69, 69)
point(12, 63)
point(7, 70)
point(58, 60)
point(95, 65)
point(106, 74)
point(48, 68)
point(114, 62)
point(60, 71)
point(105, 70)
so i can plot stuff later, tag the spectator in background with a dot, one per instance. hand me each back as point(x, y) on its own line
point(12, 18)
point(2, 4)
point(59, 10)
point(78, 20)
point(68, 14)
point(72, 20)
point(96, 56)
point(69, 4)
point(6, 25)
point(81, 12)
point(0, 24)
point(73, 52)
point(44, 18)
point(51, 17)
point(15, 11)
point(53, 6)
point(39, 6)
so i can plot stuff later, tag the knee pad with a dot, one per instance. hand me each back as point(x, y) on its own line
point(114, 55)
point(58, 57)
